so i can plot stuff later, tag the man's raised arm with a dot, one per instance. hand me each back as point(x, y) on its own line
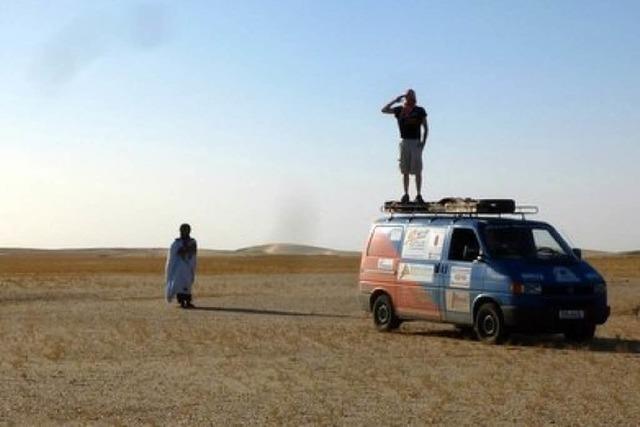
point(387, 108)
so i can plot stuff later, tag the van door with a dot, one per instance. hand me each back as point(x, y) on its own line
point(420, 288)
point(380, 262)
point(462, 275)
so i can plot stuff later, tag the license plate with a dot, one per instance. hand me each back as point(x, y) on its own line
point(571, 314)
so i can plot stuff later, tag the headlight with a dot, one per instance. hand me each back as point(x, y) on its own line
point(526, 288)
point(600, 288)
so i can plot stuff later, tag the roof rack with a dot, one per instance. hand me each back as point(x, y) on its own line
point(461, 207)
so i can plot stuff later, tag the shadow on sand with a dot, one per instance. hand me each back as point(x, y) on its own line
point(546, 341)
point(273, 312)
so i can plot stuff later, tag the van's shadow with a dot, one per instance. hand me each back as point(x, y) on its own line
point(271, 312)
point(546, 341)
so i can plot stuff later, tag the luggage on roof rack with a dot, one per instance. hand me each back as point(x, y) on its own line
point(457, 205)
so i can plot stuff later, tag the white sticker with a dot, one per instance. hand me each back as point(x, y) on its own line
point(564, 275)
point(385, 264)
point(436, 241)
point(532, 277)
point(460, 277)
point(458, 301)
point(395, 234)
point(423, 243)
point(416, 272)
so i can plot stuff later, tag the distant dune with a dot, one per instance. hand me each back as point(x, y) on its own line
point(630, 253)
point(589, 253)
point(104, 252)
point(268, 249)
point(292, 249)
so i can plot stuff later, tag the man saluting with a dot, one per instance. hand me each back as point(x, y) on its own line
point(411, 119)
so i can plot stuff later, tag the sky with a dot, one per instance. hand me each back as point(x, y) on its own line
point(259, 121)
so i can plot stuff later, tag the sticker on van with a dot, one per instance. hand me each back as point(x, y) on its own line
point(385, 264)
point(532, 277)
point(416, 272)
point(458, 301)
point(396, 234)
point(460, 277)
point(423, 243)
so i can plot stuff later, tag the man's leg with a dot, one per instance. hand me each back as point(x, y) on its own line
point(188, 303)
point(416, 166)
point(405, 164)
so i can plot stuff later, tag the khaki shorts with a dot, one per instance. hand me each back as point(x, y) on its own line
point(410, 157)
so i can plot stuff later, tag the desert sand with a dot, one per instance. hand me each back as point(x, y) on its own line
point(87, 338)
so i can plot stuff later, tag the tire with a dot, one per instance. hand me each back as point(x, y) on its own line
point(489, 325)
point(581, 332)
point(384, 317)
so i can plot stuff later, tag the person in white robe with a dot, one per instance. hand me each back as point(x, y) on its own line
point(181, 268)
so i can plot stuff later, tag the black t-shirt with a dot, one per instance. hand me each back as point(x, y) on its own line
point(410, 124)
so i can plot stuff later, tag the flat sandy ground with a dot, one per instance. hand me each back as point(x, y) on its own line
point(87, 338)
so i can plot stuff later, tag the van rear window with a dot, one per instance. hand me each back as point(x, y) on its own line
point(385, 242)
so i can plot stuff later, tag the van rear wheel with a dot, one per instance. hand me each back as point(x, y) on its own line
point(384, 318)
point(488, 324)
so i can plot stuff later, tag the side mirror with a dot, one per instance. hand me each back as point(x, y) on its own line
point(577, 252)
point(470, 253)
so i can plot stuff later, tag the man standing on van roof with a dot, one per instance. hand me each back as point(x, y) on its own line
point(411, 119)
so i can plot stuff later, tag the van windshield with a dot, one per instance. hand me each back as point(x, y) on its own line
point(521, 241)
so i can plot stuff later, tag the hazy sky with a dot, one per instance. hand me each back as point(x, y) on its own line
point(259, 121)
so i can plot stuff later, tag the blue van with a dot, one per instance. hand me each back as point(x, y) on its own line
point(491, 269)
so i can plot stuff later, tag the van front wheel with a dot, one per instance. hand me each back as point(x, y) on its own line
point(384, 318)
point(488, 325)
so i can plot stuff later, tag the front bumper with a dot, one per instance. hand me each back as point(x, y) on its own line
point(547, 319)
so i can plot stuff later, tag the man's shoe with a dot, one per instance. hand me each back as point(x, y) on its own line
point(419, 199)
point(405, 198)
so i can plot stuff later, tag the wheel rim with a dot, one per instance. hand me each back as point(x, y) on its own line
point(488, 325)
point(382, 314)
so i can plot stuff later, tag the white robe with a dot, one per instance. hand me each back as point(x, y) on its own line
point(180, 272)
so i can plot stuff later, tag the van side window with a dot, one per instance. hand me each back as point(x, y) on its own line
point(464, 245)
point(385, 242)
